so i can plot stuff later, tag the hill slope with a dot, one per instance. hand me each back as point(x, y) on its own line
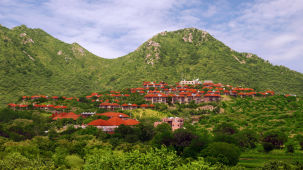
point(192, 53)
point(33, 62)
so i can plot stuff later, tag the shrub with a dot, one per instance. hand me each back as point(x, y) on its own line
point(267, 146)
point(225, 128)
point(290, 148)
point(74, 161)
point(300, 140)
point(276, 138)
point(247, 138)
point(276, 165)
point(227, 154)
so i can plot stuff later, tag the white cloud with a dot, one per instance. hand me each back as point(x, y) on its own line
point(268, 28)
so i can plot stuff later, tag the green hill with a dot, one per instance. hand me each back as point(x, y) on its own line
point(34, 62)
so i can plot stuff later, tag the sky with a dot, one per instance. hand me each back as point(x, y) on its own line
point(272, 29)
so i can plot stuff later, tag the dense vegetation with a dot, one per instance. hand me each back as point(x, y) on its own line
point(33, 62)
point(263, 132)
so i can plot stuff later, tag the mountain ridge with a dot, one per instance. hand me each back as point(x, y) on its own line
point(34, 62)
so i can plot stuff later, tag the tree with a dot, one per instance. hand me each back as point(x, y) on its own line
point(225, 128)
point(128, 133)
point(161, 158)
point(146, 131)
point(276, 165)
point(15, 160)
point(74, 162)
point(247, 138)
point(299, 138)
point(52, 134)
point(267, 146)
point(276, 138)
point(227, 154)
point(197, 144)
point(181, 139)
point(290, 148)
point(163, 135)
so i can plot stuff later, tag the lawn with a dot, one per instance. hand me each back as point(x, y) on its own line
point(256, 160)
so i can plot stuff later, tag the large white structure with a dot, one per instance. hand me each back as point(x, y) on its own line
point(193, 82)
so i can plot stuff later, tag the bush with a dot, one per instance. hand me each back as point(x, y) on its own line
point(300, 140)
point(267, 146)
point(276, 165)
point(227, 154)
point(276, 138)
point(225, 128)
point(247, 138)
point(290, 148)
point(74, 161)
point(225, 138)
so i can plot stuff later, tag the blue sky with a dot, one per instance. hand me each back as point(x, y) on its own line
point(272, 29)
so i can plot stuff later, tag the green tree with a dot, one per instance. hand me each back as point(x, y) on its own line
point(275, 137)
point(227, 154)
point(225, 128)
point(247, 138)
point(74, 162)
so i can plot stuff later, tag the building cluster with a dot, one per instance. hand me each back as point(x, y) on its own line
point(174, 122)
point(115, 120)
point(196, 91)
point(152, 92)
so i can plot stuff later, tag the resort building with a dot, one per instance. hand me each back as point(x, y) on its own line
point(174, 122)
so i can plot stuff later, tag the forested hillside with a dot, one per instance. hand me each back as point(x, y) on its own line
point(33, 62)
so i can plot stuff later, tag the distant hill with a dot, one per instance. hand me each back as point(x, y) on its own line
point(34, 62)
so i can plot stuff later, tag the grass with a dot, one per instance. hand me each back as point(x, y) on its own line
point(148, 113)
point(257, 160)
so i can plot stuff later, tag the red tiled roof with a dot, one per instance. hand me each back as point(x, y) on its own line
point(131, 122)
point(212, 95)
point(12, 105)
point(115, 121)
point(208, 84)
point(99, 122)
point(69, 115)
point(58, 107)
point(143, 105)
point(113, 114)
point(134, 105)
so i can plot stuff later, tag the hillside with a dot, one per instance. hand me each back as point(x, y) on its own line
point(191, 53)
point(34, 62)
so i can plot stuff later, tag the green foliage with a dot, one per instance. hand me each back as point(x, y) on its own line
point(225, 128)
point(247, 138)
point(74, 161)
point(290, 148)
point(224, 153)
point(47, 65)
point(276, 138)
point(300, 140)
point(277, 165)
point(15, 160)
point(152, 159)
point(268, 146)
